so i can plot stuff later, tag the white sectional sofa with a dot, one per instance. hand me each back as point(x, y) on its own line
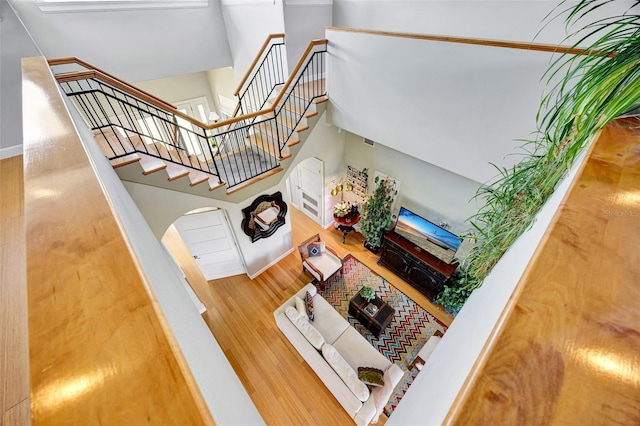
point(333, 331)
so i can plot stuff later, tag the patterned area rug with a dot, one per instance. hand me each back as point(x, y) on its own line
point(409, 330)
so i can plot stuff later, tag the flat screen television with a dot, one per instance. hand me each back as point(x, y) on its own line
point(427, 235)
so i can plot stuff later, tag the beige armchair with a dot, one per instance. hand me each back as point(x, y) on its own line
point(322, 266)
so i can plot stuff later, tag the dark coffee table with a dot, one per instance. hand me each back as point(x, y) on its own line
point(375, 322)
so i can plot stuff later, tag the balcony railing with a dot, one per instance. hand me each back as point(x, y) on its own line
point(265, 75)
point(127, 120)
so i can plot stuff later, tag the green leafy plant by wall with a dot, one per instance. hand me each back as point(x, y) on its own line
point(376, 213)
point(587, 91)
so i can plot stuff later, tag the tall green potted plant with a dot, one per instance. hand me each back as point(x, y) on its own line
point(376, 214)
point(594, 88)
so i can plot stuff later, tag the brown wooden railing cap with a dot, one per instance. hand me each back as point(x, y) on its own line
point(299, 65)
point(122, 83)
point(466, 40)
point(256, 59)
point(101, 349)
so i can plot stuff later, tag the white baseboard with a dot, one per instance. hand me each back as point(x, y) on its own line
point(330, 225)
point(287, 253)
point(10, 151)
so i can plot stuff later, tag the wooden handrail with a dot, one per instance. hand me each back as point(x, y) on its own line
point(147, 97)
point(256, 59)
point(100, 347)
point(565, 349)
point(465, 40)
point(299, 65)
point(80, 75)
point(117, 83)
point(74, 76)
point(74, 60)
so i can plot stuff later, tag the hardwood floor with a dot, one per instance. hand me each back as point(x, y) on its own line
point(239, 313)
point(240, 316)
point(14, 351)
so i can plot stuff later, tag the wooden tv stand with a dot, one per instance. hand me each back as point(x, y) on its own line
point(418, 267)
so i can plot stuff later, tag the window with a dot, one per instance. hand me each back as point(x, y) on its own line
point(197, 108)
point(59, 6)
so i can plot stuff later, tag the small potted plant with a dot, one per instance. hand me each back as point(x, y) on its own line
point(368, 293)
point(376, 214)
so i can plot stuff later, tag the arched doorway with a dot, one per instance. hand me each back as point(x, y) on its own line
point(208, 238)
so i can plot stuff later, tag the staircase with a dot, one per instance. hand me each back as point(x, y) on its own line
point(148, 140)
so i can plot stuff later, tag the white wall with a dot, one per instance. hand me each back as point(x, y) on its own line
point(15, 44)
point(161, 207)
point(429, 398)
point(221, 81)
point(489, 19)
point(304, 21)
point(223, 392)
point(134, 45)
point(457, 106)
point(430, 191)
point(180, 88)
point(248, 24)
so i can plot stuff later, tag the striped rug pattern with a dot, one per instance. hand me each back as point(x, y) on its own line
point(409, 330)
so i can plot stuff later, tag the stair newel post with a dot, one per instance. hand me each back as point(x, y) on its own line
point(275, 121)
point(213, 158)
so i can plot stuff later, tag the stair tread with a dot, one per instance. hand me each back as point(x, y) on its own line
point(176, 171)
point(197, 177)
point(113, 145)
point(151, 164)
point(306, 90)
point(214, 183)
point(262, 144)
point(321, 100)
point(255, 179)
point(123, 161)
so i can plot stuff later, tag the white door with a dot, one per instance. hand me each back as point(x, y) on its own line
point(309, 188)
point(208, 237)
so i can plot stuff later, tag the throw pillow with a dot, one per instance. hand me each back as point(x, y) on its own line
point(314, 250)
point(345, 372)
point(371, 376)
point(309, 302)
point(301, 306)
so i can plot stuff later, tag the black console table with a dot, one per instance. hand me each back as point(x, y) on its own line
point(418, 267)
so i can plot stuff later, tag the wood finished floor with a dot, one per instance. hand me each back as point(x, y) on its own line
point(14, 351)
point(239, 313)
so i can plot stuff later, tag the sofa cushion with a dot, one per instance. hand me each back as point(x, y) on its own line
point(328, 321)
point(326, 263)
point(381, 394)
point(302, 324)
point(300, 306)
point(358, 352)
point(346, 373)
